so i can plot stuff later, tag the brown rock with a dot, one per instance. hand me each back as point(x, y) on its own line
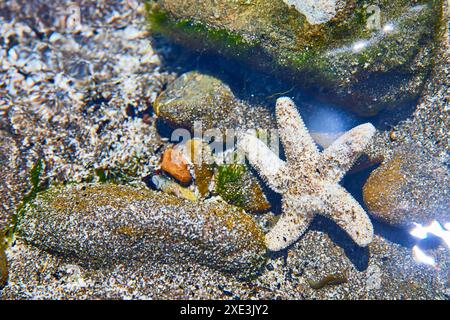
point(3, 267)
point(409, 188)
point(174, 163)
point(200, 155)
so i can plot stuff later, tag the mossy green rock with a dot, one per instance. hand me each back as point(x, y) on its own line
point(199, 97)
point(344, 57)
point(238, 186)
point(104, 224)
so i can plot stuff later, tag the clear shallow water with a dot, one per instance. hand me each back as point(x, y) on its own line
point(259, 88)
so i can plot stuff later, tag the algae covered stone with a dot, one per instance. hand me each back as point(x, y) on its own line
point(199, 97)
point(368, 54)
point(410, 188)
point(105, 224)
point(238, 186)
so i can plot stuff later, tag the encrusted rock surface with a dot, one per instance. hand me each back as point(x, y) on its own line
point(413, 179)
point(13, 178)
point(4, 273)
point(78, 96)
point(199, 97)
point(390, 273)
point(106, 224)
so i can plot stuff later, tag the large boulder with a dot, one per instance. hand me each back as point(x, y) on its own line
point(366, 55)
point(107, 224)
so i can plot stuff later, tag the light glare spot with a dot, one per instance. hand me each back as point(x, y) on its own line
point(422, 257)
point(419, 231)
point(358, 46)
point(434, 228)
point(388, 28)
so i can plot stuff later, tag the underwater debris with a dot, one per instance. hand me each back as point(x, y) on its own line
point(106, 224)
point(309, 179)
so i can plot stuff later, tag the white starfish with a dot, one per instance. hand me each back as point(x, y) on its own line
point(309, 180)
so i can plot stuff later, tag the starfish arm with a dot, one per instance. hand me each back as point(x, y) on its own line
point(338, 158)
point(266, 162)
point(342, 208)
point(295, 219)
point(297, 142)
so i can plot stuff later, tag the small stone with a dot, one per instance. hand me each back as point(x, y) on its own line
point(171, 187)
point(196, 97)
point(392, 135)
point(174, 163)
point(410, 188)
point(270, 267)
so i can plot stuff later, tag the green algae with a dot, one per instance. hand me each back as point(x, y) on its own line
point(237, 186)
point(36, 187)
point(229, 183)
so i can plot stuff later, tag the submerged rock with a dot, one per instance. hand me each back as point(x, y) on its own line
point(410, 188)
point(200, 155)
point(107, 224)
point(171, 187)
point(3, 267)
point(369, 55)
point(238, 186)
point(173, 163)
point(199, 97)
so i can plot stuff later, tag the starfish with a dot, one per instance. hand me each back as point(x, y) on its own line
point(309, 180)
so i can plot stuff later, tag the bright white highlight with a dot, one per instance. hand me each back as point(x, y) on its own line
point(434, 228)
point(388, 28)
point(422, 257)
point(358, 46)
